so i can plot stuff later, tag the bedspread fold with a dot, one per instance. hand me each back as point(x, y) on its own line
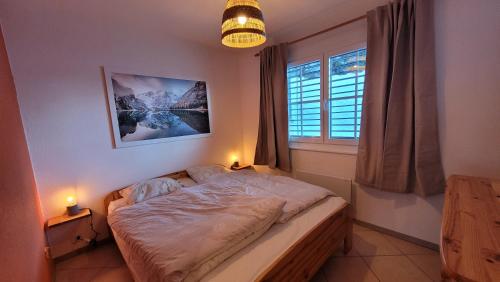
point(298, 195)
point(183, 235)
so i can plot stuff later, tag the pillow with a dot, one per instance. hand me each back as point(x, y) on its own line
point(186, 182)
point(200, 174)
point(125, 192)
point(116, 204)
point(149, 189)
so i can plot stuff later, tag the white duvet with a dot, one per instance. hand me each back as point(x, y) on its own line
point(298, 195)
point(183, 235)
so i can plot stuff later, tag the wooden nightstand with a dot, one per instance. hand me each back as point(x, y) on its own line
point(242, 167)
point(58, 220)
point(68, 235)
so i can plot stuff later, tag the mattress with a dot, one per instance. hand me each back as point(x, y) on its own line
point(254, 259)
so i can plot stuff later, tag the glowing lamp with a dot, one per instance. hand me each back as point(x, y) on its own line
point(243, 24)
point(242, 20)
point(234, 160)
point(72, 207)
point(71, 201)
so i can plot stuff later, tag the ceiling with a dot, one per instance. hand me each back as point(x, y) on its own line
point(200, 20)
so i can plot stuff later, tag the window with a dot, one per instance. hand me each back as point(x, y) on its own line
point(304, 100)
point(345, 98)
point(338, 121)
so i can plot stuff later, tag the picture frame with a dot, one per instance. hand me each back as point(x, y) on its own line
point(149, 109)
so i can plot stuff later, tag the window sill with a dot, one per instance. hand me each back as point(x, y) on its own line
point(326, 148)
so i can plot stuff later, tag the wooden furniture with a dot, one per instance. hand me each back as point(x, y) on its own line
point(303, 259)
point(58, 220)
point(470, 233)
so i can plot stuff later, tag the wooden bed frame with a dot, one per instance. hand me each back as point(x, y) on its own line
point(304, 258)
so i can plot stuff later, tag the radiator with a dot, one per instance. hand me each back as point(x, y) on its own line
point(340, 186)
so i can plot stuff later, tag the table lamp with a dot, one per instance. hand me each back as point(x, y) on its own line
point(234, 159)
point(72, 207)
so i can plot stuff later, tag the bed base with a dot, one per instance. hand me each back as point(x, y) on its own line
point(301, 261)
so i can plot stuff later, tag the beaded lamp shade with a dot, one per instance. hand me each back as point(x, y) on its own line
point(243, 24)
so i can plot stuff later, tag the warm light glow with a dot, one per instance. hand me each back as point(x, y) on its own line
point(71, 201)
point(242, 20)
point(243, 24)
point(234, 158)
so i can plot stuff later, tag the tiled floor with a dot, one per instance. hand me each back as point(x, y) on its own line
point(375, 257)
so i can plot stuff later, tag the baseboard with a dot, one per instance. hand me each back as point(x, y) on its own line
point(82, 250)
point(398, 235)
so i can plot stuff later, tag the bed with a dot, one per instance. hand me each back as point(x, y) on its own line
point(293, 251)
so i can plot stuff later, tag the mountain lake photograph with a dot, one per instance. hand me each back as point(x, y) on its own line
point(149, 108)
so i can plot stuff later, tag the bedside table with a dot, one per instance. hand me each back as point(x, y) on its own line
point(68, 235)
point(58, 220)
point(241, 167)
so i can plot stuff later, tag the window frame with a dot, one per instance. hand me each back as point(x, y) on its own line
point(310, 59)
point(326, 126)
point(324, 59)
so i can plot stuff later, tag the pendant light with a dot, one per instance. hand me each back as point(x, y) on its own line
point(243, 24)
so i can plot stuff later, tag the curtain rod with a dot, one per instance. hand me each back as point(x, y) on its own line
point(323, 31)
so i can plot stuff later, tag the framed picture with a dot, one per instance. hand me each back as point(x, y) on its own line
point(150, 109)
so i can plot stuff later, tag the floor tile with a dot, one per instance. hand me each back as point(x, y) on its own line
point(340, 252)
point(430, 264)
point(359, 228)
point(408, 248)
point(382, 259)
point(372, 243)
point(348, 269)
point(319, 277)
point(395, 268)
point(103, 256)
point(121, 274)
point(77, 275)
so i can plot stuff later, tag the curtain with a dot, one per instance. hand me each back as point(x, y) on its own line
point(399, 144)
point(272, 142)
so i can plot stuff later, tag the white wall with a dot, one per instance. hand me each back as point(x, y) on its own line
point(468, 63)
point(22, 239)
point(468, 51)
point(57, 49)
